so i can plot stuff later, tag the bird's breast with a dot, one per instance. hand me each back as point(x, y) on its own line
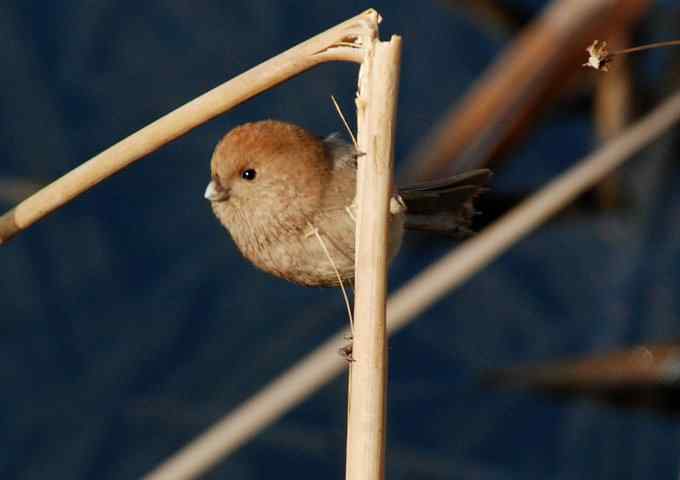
point(319, 252)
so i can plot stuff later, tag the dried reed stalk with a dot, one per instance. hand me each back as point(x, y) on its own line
point(324, 363)
point(341, 42)
point(376, 118)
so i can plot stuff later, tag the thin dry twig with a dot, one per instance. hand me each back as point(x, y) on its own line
point(671, 43)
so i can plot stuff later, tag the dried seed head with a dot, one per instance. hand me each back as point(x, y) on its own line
point(599, 56)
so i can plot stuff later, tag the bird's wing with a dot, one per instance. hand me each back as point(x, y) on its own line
point(446, 195)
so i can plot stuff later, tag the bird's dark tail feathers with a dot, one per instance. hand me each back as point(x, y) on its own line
point(444, 206)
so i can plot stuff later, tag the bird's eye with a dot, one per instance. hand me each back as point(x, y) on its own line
point(248, 174)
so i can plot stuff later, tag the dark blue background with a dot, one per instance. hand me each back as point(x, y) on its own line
point(129, 324)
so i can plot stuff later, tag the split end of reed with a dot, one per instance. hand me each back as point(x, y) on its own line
point(8, 227)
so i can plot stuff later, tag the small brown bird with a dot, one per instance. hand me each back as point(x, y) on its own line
point(287, 199)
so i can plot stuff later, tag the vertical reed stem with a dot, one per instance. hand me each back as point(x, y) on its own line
point(376, 111)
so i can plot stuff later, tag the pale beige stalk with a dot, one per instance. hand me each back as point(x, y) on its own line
point(341, 42)
point(376, 118)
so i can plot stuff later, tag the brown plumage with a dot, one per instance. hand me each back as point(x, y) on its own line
point(286, 197)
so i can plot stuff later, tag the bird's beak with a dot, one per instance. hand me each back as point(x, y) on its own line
point(215, 193)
